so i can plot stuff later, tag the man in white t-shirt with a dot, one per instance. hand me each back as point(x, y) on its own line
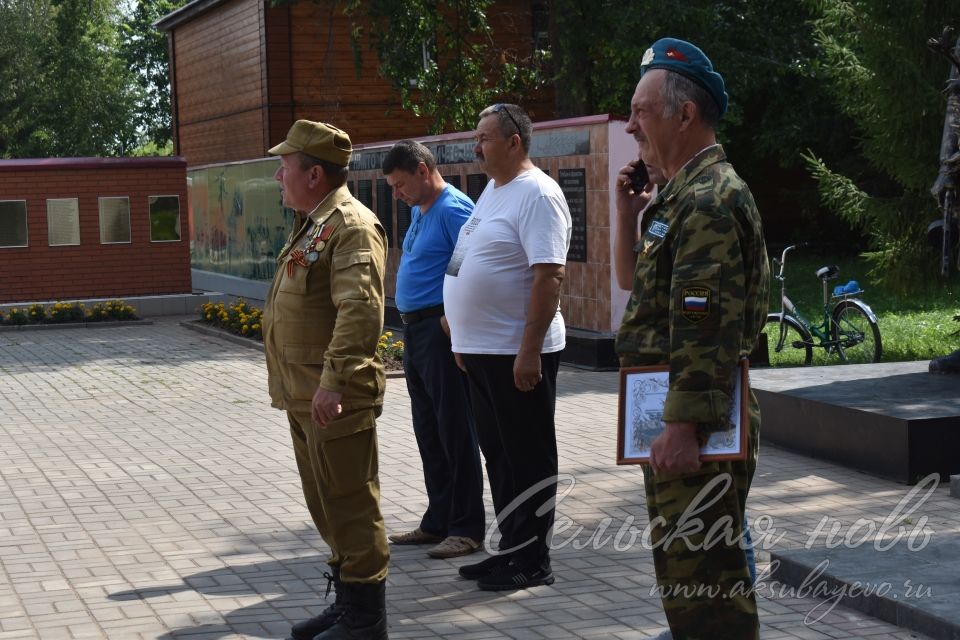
point(501, 296)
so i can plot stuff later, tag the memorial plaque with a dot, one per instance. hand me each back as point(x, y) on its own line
point(13, 223)
point(573, 182)
point(454, 180)
point(476, 182)
point(63, 221)
point(365, 193)
point(367, 160)
point(552, 144)
point(404, 214)
point(385, 208)
point(164, 218)
point(454, 152)
point(114, 220)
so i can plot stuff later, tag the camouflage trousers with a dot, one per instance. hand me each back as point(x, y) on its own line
point(702, 573)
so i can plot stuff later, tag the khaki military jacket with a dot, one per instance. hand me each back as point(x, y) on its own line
point(324, 312)
point(699, 297)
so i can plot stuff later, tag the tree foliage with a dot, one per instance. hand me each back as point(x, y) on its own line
point(24, 28)
point(440, 57)
point(765, 51)
point(144, 48)
point(70, 93)
point(881, 75)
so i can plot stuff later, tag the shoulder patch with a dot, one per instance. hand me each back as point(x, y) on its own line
point(695, 303)
point(658, 228)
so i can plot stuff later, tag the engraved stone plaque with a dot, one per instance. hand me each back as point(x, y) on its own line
point(164, 218)
point(13, 223)
point(63, 222)
point(365, 193)
point(404, 214)
point(573, 182)
point(385, 208)
point(476, 182)
point(114, 220)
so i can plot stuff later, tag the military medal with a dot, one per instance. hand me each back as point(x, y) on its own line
point(312, 256)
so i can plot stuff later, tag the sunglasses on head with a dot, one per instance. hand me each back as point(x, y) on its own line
point(497, 108)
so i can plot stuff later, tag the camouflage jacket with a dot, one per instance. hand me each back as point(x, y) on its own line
point(324, 312)
point(699, 296)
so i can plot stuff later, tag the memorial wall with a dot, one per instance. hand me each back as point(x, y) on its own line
point(77, 228)
point(238, 224)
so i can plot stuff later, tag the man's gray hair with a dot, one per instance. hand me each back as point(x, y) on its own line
point(677, 89)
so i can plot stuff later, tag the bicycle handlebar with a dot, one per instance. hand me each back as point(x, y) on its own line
point(783, 256)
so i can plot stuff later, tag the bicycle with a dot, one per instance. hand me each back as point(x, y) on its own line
point(850, 330)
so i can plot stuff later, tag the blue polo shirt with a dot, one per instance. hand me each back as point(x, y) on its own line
point(427, 248)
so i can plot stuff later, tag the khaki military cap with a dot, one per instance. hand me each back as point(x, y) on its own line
point(317, 139)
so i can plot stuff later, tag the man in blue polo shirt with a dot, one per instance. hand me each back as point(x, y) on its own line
point(442, 421)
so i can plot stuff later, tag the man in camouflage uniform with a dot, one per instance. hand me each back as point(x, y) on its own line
point(698, 303)
point(321, 324)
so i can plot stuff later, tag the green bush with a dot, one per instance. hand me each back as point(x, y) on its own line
point(17, 316)
point(66, 312)
point(111, 310)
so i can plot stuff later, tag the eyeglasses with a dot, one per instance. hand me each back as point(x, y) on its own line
point(497, 108)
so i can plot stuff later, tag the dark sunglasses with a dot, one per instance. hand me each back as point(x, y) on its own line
point(497, 108)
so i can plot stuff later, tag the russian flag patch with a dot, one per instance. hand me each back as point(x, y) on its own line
point(695, 303)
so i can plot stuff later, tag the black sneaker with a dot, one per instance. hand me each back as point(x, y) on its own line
point(511, 577)
point(485, 567)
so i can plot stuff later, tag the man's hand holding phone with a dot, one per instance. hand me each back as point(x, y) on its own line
point(633, 188)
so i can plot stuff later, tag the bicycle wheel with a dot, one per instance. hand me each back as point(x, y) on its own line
point(856, 331)
point(788, 343)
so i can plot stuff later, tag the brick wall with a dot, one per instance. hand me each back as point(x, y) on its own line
point(91, 269)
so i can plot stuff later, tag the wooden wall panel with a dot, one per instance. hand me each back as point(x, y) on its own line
point(296, 62)
point(220, 89)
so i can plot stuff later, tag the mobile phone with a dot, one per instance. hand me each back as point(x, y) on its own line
point(639, 178)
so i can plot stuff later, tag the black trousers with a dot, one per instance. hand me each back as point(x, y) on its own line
point(446, 437)
point(519, 442)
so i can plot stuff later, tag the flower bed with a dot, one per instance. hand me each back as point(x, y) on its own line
point(244, 320)
point(68, 313)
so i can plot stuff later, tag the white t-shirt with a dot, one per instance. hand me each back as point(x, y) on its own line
point(486, 292)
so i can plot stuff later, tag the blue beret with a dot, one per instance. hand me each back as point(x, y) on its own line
point(689, 61)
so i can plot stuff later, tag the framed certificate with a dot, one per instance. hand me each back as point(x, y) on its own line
point(643, 391)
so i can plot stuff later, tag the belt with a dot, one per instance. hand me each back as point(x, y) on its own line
point(422, 314)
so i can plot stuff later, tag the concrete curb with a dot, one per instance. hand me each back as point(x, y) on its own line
point(216, 332)
point(106, 324)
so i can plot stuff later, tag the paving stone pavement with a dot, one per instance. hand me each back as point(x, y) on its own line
point(147, 490)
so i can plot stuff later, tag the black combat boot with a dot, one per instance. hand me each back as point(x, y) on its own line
point(307, 629)
point(364, 616)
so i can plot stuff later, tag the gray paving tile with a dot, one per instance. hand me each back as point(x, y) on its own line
point(147, 490)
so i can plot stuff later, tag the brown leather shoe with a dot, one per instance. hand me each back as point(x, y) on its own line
point(417, 536)
point(454, 547)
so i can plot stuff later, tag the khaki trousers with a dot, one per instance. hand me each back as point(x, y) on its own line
point(342, 490)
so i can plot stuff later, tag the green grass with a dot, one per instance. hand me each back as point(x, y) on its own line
point(917, 326)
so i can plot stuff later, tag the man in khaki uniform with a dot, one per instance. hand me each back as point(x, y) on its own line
point(322, 321)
